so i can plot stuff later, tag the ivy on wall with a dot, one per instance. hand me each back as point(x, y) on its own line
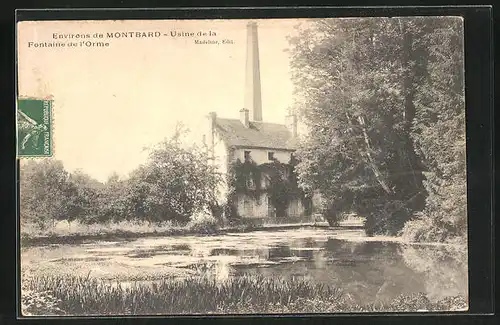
point(281, 184)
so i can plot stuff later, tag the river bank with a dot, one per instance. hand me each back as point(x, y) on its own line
point(66, 233)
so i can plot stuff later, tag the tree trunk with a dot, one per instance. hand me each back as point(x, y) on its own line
point(413, 66)
point(367, 153)
point(373, 166)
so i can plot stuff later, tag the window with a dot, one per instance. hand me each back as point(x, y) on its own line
point(247, 155)
point(270, 155)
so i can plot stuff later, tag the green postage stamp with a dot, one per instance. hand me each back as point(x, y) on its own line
point(34, 127)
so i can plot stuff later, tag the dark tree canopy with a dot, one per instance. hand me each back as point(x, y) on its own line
point(360, 85)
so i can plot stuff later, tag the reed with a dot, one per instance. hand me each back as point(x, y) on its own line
point(201, 295)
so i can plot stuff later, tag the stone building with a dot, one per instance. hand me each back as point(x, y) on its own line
point(250, 140)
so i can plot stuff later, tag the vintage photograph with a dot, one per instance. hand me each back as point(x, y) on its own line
point(245, 166)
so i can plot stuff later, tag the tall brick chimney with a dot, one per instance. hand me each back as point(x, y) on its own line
point(253, 100)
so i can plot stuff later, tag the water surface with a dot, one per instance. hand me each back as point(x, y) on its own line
point(369, 269)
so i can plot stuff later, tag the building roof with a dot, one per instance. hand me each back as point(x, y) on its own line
point(257, 135)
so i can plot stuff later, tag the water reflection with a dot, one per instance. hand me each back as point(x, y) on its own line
point(444, 268)
point(368, 269)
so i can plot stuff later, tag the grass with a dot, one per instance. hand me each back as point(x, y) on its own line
point(64, 232)
point(73, 232)
point(59, 295)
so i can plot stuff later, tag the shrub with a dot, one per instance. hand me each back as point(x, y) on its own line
point(202, 223)
point(422, 229)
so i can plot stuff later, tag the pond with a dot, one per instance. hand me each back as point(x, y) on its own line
point(369, 269)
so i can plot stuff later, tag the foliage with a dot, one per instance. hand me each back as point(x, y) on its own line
point(206, 294)
point(203, 224)
point(241, 174)
point(45, 192)
point(439, 134)
point(361, 84)
point(280, 179)
point(85, 198)
point(175, 183)
point(423, 229)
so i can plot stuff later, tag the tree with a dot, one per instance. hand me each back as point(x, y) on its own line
point(44, 192)
point(354, 80)
point(112, 201)
point(176, 182)
point(438, 132)
point(82, 196)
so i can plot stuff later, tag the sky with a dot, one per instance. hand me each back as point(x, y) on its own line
point(112, 102)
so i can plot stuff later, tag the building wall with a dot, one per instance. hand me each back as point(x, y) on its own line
point(250, 207)
point(296, 209)
point(247, 206)
point(220, 159)
point(260, 156)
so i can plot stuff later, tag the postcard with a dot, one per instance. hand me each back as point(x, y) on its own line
point(241, 166)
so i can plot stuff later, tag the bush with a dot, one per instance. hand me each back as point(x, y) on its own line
point(429, 228)
point(422, 229)
point(230, 213)
point(202, 223)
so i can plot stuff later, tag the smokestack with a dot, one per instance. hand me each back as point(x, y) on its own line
point(244, 117)
point(291, 124)
point(253, 100)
